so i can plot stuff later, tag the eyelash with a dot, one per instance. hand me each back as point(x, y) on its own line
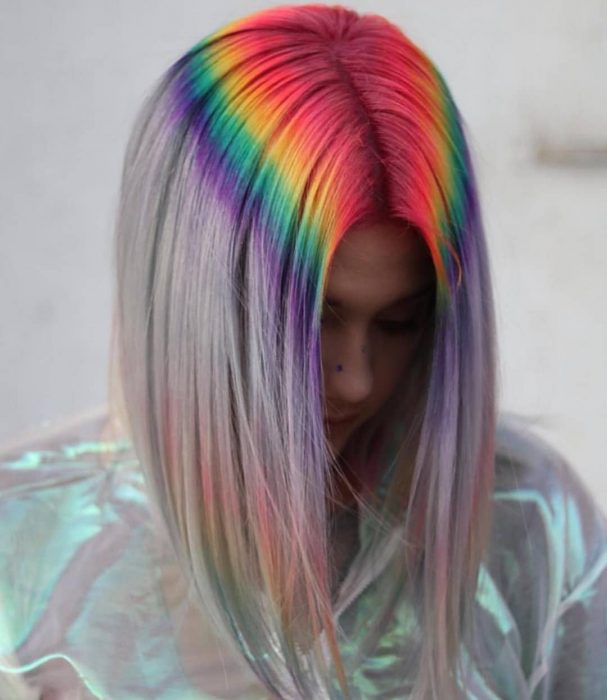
point(393, 327)
point(397, 327)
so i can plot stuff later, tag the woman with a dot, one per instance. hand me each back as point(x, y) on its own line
point(305, 356)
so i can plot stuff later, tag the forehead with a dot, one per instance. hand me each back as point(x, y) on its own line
point(375, 263)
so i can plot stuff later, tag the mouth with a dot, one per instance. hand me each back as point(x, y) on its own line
point(339, 421)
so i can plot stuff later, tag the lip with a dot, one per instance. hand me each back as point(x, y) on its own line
point(341, 419)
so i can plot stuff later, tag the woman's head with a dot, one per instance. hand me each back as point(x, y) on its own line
point(294, 153)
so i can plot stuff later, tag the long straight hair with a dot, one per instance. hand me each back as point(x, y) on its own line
point(251, 158)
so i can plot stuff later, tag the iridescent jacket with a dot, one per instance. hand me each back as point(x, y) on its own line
point(92, 605)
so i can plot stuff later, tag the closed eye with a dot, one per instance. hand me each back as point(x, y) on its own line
point(396, 327)
point(390, 327)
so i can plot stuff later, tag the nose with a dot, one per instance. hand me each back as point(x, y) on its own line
point(348, 369)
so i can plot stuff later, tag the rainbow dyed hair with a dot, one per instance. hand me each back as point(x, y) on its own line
point(254, 155)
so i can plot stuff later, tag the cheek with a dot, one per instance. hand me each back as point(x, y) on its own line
point(393, 367)
point(388, 376)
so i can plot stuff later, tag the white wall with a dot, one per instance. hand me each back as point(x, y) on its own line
point(529, 79)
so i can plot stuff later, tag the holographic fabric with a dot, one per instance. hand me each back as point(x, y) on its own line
point(93, 605)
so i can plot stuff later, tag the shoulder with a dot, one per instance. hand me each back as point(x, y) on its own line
point(540, 497)
point(548, 546)
point(64, 478)
point(72, 513)
point(62, 490)
point(541, 502)
point(92, 599)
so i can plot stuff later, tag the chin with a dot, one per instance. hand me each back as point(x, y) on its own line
point(338, 440)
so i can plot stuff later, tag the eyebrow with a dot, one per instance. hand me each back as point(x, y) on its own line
point(420, 293)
